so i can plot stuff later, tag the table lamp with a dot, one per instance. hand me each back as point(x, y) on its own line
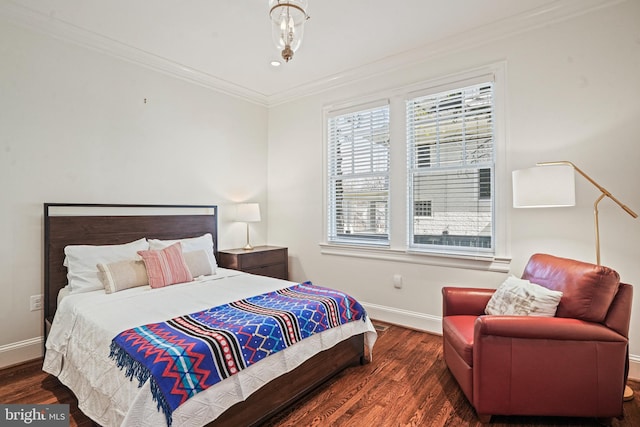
point(248, 212)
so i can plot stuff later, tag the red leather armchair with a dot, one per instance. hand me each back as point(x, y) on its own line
point(573, 364)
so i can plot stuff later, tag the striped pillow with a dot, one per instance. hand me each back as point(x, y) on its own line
point(166, 267)
point(121, 275)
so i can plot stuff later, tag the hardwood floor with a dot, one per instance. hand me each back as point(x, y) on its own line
point(27, 383)
point(407, 384)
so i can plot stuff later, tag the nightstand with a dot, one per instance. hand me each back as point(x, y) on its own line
point(271, 261)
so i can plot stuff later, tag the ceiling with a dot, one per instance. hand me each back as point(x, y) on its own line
point(226, 44)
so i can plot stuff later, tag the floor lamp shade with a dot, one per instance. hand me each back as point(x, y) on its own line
point(544, 187)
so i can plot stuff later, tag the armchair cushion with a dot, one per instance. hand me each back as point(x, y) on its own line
point(588, 289)
point(460, 330)
point(520, 297)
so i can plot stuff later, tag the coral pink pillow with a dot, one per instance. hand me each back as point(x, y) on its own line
point(166, 267)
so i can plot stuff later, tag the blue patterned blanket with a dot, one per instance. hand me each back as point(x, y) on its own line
point(188, 354)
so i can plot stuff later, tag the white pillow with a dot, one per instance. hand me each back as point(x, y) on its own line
point(520, 297)
point(204, 242)
point(82, 262)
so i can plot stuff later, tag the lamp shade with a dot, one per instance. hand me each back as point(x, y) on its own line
point(544, 187)
point(248, 212)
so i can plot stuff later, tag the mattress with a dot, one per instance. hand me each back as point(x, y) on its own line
point(77, 348)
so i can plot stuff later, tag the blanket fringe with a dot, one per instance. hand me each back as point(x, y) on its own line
point(161, 401)
point(134, 369)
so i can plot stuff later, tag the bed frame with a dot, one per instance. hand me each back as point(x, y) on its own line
point(100, 224)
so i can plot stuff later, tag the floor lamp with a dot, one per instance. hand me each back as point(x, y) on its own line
point(553, 185)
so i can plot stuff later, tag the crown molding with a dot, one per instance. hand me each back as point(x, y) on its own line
point(39, 22)
point(557, 11)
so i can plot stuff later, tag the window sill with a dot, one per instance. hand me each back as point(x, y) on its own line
point(468, 262)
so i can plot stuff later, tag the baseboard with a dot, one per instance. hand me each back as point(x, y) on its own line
point(433, 324)
point(21, 351)
point(634, 367)
point(409, 319)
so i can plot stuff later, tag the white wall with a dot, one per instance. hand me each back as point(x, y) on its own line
point(74, 127)
point(572, 94)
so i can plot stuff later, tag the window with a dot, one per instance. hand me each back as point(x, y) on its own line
point(419, 176)
point(484, 183)
point(358, 177)
point(455, 128)
point(422, 208)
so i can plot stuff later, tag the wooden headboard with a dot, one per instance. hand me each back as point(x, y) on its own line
point(110, 224)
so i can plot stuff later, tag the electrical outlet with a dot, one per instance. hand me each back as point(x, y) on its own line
point(397, 281)
point(35, 302)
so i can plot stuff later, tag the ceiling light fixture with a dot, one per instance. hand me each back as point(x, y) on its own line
point(287, 24)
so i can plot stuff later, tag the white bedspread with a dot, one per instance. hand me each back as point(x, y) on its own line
point(77, 348)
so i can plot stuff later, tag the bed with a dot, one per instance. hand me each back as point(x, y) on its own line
point(81, 326)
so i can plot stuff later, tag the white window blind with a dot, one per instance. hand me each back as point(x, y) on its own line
point(450, 143)
point(358, 175)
